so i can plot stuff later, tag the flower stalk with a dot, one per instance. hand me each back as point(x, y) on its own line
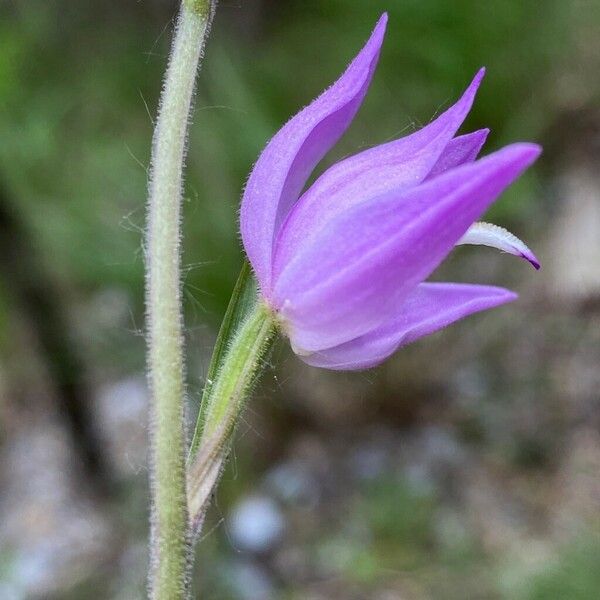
point(169, 538)
point(223, 403)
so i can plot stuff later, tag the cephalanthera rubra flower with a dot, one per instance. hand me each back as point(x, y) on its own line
point(342, 265)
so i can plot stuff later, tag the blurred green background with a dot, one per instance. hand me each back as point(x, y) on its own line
point(468, 466)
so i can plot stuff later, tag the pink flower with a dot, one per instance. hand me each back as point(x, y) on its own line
point(343, 264)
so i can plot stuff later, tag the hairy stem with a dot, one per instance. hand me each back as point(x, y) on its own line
point(239, 371)
point(169, 539)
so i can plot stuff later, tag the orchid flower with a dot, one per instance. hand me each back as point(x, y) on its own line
point(342, 265)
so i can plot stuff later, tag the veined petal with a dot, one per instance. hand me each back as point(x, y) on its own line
point(488, 234)
point(288, 159)
point(460, 150)
point(394, 166)
point(429, 308)
point(352, 274)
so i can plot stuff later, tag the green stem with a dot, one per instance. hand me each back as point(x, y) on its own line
point(239, 371)
point(170, 534)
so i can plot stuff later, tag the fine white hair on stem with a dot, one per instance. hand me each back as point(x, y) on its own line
point(243, 360)
point(170, 547)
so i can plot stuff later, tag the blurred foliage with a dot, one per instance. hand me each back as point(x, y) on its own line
point(574, 575)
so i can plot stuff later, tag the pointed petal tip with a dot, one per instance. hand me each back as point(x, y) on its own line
point(531, 258)
point(496, 296)
point(469, 94)
point(475, 83)
point(508, 296)
point(379, 29)
point(529, 151)
point(490, 296)
point(518, 156)
point(368, 56)
point(481, 135)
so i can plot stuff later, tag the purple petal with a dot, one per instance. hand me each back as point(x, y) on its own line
point(394, 166)
point(348, 279)
point(488, 234)
point(288, 159)
point(429, 308)
point(462, 149)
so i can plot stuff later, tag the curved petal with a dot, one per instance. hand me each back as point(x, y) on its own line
point(348, 279)
point(429, 308)
point(288, 159)
point(394, 166)
point(488, 234)
point(460, 150)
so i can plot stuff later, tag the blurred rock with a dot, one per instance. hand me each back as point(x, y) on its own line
point(499, 517)
point(293, 483)
point(432, 458)
point(122, 413)
point(53, 531)
point(326, 397)
point(373, 454)
point(573, 255)
point(251, 582)
point(256, 524)
point(108, 308)
point(9, 592)
point(576, 502)
point(470, 382)
point(451, 531)
point(292, 563)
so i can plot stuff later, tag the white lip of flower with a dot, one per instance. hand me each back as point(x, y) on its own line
point(488, 234)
